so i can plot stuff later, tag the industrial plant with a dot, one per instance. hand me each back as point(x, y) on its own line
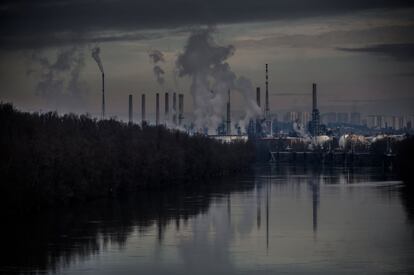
point(301, 136)
point(309, 135)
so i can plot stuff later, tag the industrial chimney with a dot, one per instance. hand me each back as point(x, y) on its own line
point(157, 109)
point(267, 93)
point(130, 109)
point(228, 122)
point(258, 96)
point(180, 109)
point(143, 108)
point(314, 129)
point(167, 107)
point(174, 108)
point(103, 95)
point(268, 122)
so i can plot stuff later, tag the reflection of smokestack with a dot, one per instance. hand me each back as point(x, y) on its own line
point(228, 122)
point(174, 108)
point(157, 109)
point(267, 92)
point(258, 96)
point(314, 97)
point(167, 107)
point(130, 109)
point(180, 108)
point(103, 95)
point(143, 108)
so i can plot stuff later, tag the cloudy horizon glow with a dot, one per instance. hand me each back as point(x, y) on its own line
point(360, 54)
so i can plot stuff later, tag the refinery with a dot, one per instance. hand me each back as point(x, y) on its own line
point(309, 135)
point(300, 136)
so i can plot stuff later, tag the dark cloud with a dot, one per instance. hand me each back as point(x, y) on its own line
point(329, 39)
point(400, 52)
point(408, 74)
point(27, 24)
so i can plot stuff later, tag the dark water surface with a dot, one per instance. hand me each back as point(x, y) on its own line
point(277, 220)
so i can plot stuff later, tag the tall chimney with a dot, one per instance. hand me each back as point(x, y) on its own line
point(258, 96)
point(157, 109)
point(180, 108)
point(174, 110)
point(167, 107)
point(143, 108)
point(315, 113)
point(130, 109)
point(103, 95)
point(228, 122)
point(267, 92)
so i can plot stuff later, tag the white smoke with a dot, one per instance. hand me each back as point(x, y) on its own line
point(211, 77)
point(95, 54)
point(59, 79)
point(157, 57)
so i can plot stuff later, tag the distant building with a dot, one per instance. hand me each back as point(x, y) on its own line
point(327, 118)
point(305, 117)
point(343, 117)
point(291, 117)
point(356, 118)
point(372, 122)
point(375, 122)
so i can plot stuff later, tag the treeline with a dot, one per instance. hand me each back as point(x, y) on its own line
point(50, 159)
point(405, 161)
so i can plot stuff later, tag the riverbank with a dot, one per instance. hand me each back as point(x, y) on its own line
point(49, 159)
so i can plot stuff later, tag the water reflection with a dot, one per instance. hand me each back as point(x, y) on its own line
point(313, 220)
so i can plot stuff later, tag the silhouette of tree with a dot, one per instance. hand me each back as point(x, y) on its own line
point(49, 159)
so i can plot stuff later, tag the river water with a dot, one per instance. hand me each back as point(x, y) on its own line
point(275, 220)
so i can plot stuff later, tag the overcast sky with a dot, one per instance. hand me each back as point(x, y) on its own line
point(360, 53)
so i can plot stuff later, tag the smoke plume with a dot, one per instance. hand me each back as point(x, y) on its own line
point(59, 79)
point(96, 56)
point(157, 57)
point(211, 77)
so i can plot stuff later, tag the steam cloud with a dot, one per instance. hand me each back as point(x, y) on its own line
point(60, 82)
point(156, 57)
point(96, 56)
point(211, 77)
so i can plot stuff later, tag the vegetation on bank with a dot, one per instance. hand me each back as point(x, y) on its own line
point(47, 159)
point(405, 161)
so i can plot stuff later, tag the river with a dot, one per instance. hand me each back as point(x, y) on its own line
point(279, 219)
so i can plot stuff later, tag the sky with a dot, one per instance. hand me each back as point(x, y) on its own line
point(360, 53)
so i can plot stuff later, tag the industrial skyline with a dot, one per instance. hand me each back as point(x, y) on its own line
point(355, 52)
point(207, 136)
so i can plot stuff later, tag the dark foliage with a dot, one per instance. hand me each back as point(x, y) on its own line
point(405, 161)
point(50, 159)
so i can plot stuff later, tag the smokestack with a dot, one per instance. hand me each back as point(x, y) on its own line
point(228, 122)
point(157, 109)
point(315, 113)
point(143, 108)
point(258, 96)
point(174, 108)
point(180, 108)
point(167, 107)
point(130, 109)
point(267, 91)
point(103, 95)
